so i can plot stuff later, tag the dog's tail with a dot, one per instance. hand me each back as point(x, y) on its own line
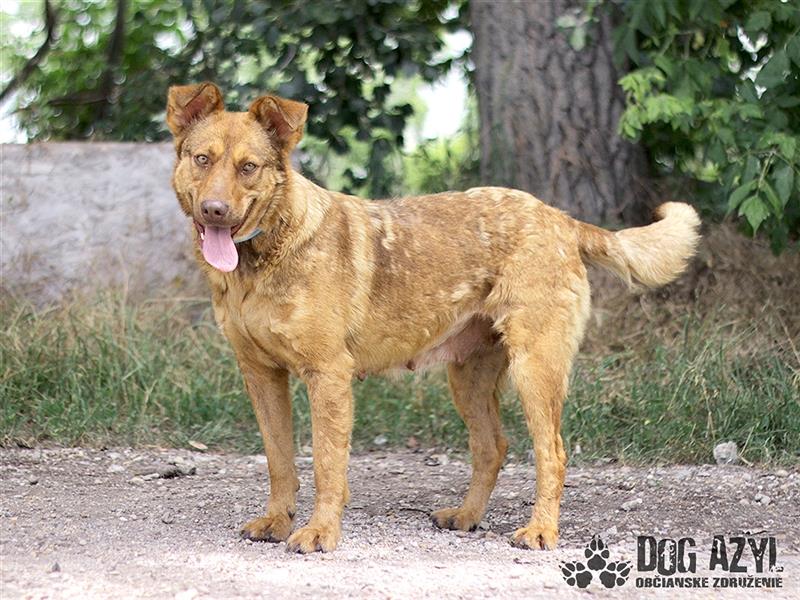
point(653, 255)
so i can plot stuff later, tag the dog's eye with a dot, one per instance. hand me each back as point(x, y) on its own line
point(248, 168)
point(201, 159)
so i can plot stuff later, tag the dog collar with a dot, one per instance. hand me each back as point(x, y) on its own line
point(254, 233)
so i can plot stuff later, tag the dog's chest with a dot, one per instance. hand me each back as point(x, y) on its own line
point(259, 328)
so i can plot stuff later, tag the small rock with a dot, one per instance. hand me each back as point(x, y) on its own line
point(744, 502)
point(167, 519)
point(56, 568)
point(577, 450)
point(136, 480)
point(170, 472)
point(782, 473)
point(397, 471)
point(33, 481)
point(611, 530)
point(436, 460)
point(189, 594)
point(483, 525)
point(198, 446)
point(380, 440)
point(726, 453)
point(763, 499)
point(115, 469)
point(631, 504)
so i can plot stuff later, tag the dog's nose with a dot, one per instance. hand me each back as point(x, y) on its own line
point(214, 210)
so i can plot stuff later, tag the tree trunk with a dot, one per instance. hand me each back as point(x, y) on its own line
point(549, 113)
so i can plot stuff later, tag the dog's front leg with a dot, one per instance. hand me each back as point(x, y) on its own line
point(331, 399)
point(269, 393)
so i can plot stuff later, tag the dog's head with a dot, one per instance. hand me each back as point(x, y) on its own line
point(231, 167)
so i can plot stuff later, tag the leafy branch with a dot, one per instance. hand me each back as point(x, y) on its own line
point(50, 23)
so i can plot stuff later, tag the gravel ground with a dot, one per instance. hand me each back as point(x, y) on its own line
point(122, 523)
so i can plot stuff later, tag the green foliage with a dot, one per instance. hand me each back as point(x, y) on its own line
point(341, 57)
point(445, 164)
point(108, 372)
point(714, 93)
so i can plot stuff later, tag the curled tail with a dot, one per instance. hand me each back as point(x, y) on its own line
point(653, 255)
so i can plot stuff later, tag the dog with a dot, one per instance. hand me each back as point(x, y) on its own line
point(327, 286)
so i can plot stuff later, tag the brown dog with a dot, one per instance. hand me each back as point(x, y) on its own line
point(327, 286)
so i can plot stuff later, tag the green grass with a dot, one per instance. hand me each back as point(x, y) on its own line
point(109, 372)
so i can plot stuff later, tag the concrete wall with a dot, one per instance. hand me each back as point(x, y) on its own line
point(80, 216)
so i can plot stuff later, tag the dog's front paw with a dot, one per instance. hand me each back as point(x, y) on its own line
point(535, 537)
point(455, 518)
point(313, 538)
point(271, 528)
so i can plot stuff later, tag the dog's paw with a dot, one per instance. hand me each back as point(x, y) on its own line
point(615, 574)
point(535, 537)
point(576, 574)
point(455, 518)
point(271, 528)
point(597, 553)
point(313, 539)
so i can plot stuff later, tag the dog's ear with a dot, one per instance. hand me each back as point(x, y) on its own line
point(283, 119)
point(187, 104)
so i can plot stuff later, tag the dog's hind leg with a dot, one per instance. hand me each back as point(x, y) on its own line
point(541, 353)
point(474, 385)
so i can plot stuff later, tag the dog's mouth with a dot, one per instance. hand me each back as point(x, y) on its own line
point(218, 244)
point(201, 229)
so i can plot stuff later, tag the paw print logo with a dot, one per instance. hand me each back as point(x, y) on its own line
point(597, 553)
point(610, 573)
point(576, 574)
point(615, 574)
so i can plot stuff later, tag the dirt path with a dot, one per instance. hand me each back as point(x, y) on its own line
point(80, 523)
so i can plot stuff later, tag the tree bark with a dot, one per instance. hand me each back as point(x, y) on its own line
point(113, 59)
point(549, 114)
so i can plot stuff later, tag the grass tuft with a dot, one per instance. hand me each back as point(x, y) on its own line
point(109, 372)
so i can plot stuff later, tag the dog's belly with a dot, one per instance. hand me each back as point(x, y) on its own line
point(465, 338)
point(458, 344)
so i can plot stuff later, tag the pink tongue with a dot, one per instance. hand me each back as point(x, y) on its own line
point(219, 250)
